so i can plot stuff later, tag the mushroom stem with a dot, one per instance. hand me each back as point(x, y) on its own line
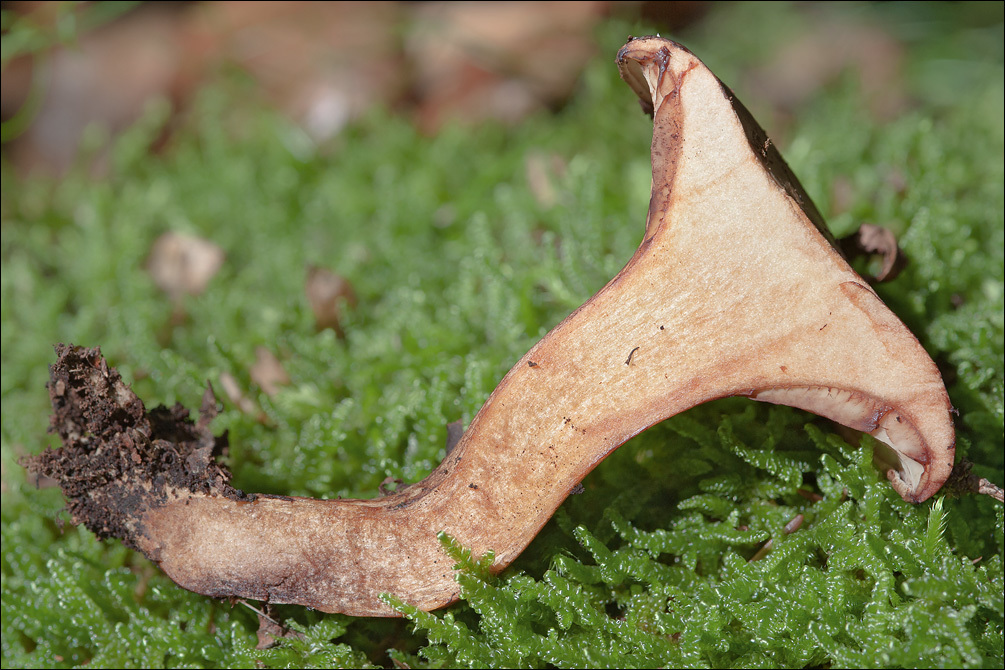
point(736, 289)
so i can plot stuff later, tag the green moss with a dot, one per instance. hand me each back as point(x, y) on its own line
point(459, 270)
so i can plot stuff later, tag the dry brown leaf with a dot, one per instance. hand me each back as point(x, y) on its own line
point(182, 264)
point(268, 372)
point(480, 60)
point(789, 528)
point(271, 631)
point(871, 240)
point(541, 172)
point(328, 294)
point(234, 393)
point(322, 63)
point(822, 54)
point(105, 79)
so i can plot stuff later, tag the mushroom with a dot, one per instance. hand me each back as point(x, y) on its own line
point(735, 290)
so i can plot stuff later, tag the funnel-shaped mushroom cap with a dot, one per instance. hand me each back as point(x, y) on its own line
point(766, 304)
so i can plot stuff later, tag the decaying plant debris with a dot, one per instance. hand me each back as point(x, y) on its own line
point(118, 460)
point(736, 289)
point(871, 240)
